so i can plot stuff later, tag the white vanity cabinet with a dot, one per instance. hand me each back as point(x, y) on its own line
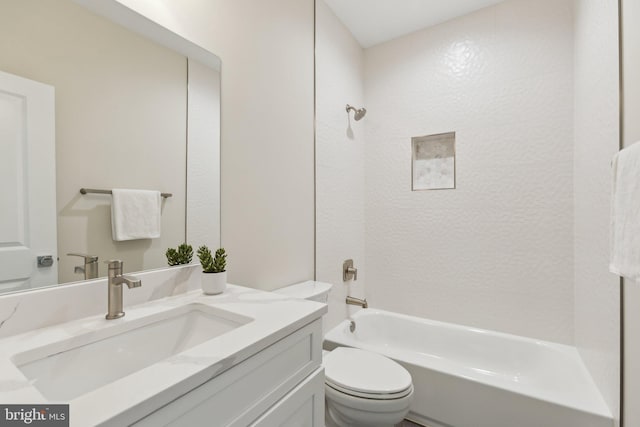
point(302, 407)
point(259, 363)
point(282, 385)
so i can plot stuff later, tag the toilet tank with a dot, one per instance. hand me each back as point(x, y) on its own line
point(309, 290)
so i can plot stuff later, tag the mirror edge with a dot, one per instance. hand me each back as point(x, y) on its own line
point(134, 21)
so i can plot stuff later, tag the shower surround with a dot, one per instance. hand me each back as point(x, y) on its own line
point(520, 245)
point(496, 252)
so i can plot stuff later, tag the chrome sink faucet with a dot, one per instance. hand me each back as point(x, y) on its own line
point(115, 281)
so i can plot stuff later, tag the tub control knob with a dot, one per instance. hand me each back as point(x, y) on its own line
point(349, 271)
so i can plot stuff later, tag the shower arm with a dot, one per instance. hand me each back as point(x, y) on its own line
point(358, 113)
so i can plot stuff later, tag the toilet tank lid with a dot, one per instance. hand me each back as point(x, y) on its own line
point(305, 290)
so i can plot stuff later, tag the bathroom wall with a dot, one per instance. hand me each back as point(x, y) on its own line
point(596, 136)
point(631, 134)
point(267, 128)
point(496, 252)
point(84, 57)
point(340, 153)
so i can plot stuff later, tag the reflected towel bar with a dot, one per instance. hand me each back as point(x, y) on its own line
point(93, 190)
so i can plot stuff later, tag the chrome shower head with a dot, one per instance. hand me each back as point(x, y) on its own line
point(358, 113)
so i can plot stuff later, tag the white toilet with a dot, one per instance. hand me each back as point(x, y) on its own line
point(362, 388)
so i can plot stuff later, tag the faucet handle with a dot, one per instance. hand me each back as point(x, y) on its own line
point(349, 271)
point(131, 281)
point(87, 258)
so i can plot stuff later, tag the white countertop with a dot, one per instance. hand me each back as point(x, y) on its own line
point(137, 394)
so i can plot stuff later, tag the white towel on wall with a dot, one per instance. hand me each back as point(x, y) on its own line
point(625, 214)
point(135, 214)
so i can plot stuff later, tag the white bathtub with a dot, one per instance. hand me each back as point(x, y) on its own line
point(467, 377)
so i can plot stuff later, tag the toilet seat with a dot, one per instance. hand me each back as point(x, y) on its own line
point(365, 374)
point(371, 396)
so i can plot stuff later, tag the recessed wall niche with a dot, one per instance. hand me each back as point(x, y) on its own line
point(433, 162)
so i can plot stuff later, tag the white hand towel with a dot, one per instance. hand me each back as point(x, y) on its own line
point(625, 214)
point(135, 214)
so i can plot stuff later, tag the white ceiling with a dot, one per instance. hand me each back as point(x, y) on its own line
point(375, 21)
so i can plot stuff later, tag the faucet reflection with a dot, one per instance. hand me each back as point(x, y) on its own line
point(90, 267)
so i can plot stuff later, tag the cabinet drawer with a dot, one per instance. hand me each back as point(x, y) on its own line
point(302, 407)
point(238, 396)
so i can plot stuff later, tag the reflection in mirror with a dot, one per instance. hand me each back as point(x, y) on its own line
point(118, 114)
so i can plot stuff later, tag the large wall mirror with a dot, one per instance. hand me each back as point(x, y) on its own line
point(88, 103)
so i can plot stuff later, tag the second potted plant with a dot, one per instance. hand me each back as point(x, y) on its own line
point(214, 277)
point(182, 255)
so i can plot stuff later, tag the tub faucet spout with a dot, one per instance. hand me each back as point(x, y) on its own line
point(357, 301)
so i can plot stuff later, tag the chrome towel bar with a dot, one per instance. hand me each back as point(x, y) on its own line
point(94, 191)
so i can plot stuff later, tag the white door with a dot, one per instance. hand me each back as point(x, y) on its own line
point(27, 184)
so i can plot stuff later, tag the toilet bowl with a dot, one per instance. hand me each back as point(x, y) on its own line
point(362, 388)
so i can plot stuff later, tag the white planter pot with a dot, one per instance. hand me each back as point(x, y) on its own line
point(214, 283)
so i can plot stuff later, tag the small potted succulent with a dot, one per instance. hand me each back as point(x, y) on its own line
point(183, 255)
point(214, 273)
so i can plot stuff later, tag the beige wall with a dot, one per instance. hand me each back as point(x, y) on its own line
point(120, 122)
point(631, 134)
point(340, 150)
point(266, 49)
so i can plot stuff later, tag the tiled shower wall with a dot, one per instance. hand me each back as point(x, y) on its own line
point(597, 292)
point(497, 252)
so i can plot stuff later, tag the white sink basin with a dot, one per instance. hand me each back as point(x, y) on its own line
point(72, 367)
